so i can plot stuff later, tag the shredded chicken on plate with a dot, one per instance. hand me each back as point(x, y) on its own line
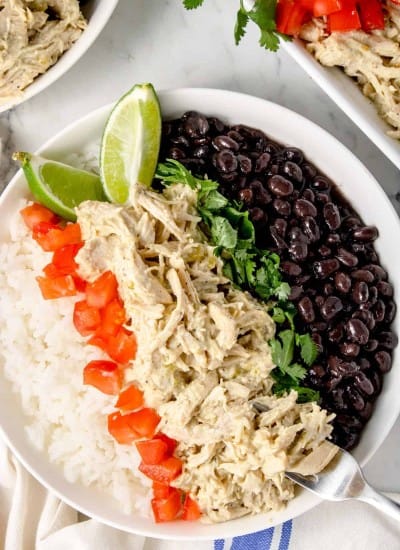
point(373, 59)
point(203, 355)
point(33, 35)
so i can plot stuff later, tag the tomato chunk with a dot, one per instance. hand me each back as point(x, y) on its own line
point(346, 19)
point(165, 472)
point(171, 443)
point(112, 317)
point(290, 16)
point(167, 509)
point(103, 375)
point(121, 347)
point(152, 451)
point(130, 399)
point(371, 15)
point(160, 490)
point(36, 213)
point(144, 422)
point(120, 428)
point(64, 258)
point(102, 290)
point(86, 319)
point(51, 237)
point(57, 287)
point(191, 510)
point(326, 7)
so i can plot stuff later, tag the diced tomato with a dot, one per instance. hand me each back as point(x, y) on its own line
point(57, 287)
point(36, 213)
point(129, 399)
point(86, 318)
point(51, 237)
point(290, 16)
point(103, 375)
point(325, 7)
point(172, 443)
point(152, 451)
point(112, 317)
point(346, 19)
point(371, 15)
point(122, 347)
point(144, 422)
point(102, 290)
point(79, 283)
point(165, 472)
point(120, 428)
point(160, 490)
point(64, 258)
point(51, 271)
point(167, 509)
point(191, 510)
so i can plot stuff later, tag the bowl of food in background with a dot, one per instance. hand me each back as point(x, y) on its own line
point(349, 47)
point(42, 40)
point(281, 192)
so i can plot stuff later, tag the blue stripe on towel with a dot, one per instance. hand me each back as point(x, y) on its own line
point(256, 541)
point(219, 544)
point(286, 533)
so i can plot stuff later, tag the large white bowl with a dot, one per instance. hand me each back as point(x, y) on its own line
point(348, 96)
point(357, 185)
point(97, 13)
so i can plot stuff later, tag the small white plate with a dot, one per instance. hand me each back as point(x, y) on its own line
point(97, 13)
point(348, 96)
point(356, 183)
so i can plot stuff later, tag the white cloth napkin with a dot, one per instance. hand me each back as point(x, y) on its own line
point(33, 519)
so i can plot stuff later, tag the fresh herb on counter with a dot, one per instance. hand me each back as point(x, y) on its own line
point(229, 228)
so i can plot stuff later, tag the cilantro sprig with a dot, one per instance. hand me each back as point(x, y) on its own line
point(228, 227)
point(262, 13)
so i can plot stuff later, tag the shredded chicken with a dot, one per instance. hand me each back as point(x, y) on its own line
point(203, 355)
point(373, 59)
point(33, 35)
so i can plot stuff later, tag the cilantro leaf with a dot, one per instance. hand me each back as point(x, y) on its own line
point(214, 200)
point(283, 349)
point(240, 26)
point(222, 233)
point(308, 348)
point(192, 4)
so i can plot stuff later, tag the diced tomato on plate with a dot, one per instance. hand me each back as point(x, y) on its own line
point(86, 319)
point(103, 290)
point(104, 375)
point(129, 399)
point(152, 451)
point(35, 213)
point(167, 509)
point(191, 510)
point(56, 287)
point(165, 472)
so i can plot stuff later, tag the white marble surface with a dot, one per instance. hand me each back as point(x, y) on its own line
point(158, 41)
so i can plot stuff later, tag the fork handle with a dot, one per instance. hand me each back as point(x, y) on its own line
point(380, 502)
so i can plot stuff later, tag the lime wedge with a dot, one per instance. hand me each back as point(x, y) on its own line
point(131, 142)
point(58, 186)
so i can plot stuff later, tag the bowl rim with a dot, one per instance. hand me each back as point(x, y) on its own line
point(67, 60)
point(173, 95)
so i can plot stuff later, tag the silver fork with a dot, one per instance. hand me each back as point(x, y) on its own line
point(342, 479)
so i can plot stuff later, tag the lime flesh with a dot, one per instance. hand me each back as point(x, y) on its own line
point(131, 143)
point(58, 186)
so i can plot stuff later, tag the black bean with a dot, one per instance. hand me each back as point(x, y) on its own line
point(342, 282)
point(360, 292)
point(298, 251)
point(366, 317)
point(385, 289)
point(319, 326)
point(333, 238)
point(306, 309)
point(304, 208)
point(365, 234)
point(332, 216)
point(390, 311)
point(282, 207)
point(225, 142)
point(379, 311)
point(331, 307)
point(388, 339)
point(322, 198)
point(364, 384)
point(362, 275)
point(371, 345)
point(321, 183)
point(246, 196)
point(378, 271)
point(257, 215)
point(261, 195)
point(216, 124)
point(262, 163)
point(277, 239)
point(281, 226)
point(311, 229)
point(324, 268)
point(356, 400)
point(293, 154)
point(357, 331)
point(336, 333)
point(328, 289)
point(195, 125)
point(295, 292)
point(180, 141)
point(225, 161)
point(290, 268)
point(176, 153)
point(376, 379)
point(296, 235)
point(349, 349)
point(292, 171)
point(308, 194)
point(366, 413)
point(201, 152)
point(325, 251)
point(245, 164)
point(383, 361)
point(346, 258)
point(280, 186)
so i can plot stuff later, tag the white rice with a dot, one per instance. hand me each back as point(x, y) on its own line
point(43, 356)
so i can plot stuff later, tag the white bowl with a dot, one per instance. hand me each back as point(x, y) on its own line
point(357, 185)
point(348, 96)
point(97, 13)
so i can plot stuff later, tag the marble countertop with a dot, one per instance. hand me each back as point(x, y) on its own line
point(158, 41)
